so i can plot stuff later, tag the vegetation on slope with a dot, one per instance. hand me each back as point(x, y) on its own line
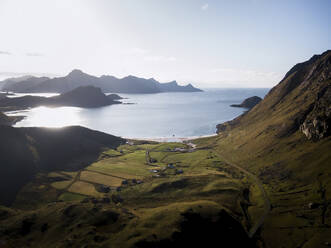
point(159, 204)
point(295, 168)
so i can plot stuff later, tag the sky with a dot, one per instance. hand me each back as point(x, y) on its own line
point(212, 44)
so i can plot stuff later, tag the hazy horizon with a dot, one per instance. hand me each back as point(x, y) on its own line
point(211, 44)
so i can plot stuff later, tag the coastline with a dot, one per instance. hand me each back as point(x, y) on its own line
point(172, 139)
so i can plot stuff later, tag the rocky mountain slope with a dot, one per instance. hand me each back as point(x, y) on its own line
point(285, 141)
point(77, 78)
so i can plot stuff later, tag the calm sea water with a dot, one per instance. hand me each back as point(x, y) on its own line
point(151, 115)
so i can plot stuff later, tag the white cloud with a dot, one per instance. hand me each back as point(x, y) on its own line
point(34, 54)
point(137, 51)
point(149, 56)
point(245, 77)
point(160, 58)
point(205, 6)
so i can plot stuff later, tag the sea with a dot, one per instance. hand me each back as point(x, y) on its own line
point(168, 116)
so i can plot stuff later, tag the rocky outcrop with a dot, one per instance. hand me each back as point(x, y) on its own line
point(317, 124)
point(248, 102)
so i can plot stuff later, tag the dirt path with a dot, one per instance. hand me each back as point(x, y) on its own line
point(267, 205)
point(75, 179)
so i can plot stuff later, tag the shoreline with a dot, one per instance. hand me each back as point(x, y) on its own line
point(172, 139)
point(17, 116)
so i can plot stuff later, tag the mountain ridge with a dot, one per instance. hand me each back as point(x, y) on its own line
point(285, 141)
point(76, 78)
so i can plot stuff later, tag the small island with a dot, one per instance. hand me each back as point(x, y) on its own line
point(84, 97)
point(248, 102)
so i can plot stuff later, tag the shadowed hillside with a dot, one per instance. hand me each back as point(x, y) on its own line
point(26, 151)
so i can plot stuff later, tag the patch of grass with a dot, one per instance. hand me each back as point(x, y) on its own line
point(54, 174)
point(61, 184)
point(98, 178)
point(111, 153)
point(165, 147)
point(68, 197)
point(130, 165)
point(84, 188)
point(70, 173)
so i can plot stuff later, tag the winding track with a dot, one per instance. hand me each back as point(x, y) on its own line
point(267, 205)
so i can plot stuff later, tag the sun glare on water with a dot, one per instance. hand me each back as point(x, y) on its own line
point(51, 117)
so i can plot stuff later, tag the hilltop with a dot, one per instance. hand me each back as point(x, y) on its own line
point(77, 78)
point(84, 97)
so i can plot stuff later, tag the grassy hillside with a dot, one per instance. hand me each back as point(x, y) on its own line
point(295, 167)
point(123, 200)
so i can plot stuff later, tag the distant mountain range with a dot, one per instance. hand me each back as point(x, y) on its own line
point(83, 96)
point(77, 78)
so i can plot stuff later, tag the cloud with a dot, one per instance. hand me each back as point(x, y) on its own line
point(5, 53)
point(205, 6)
point(34, 54)
point(160, 59)
point(137, 51)
point(233, 75)
point(147, 55)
